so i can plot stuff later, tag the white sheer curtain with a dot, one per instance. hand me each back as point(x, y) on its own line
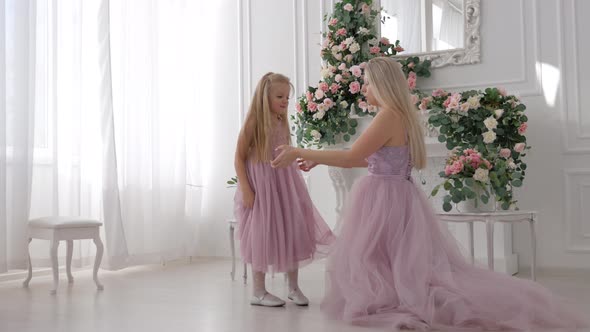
point(410, 28)
point(17, 124)
point(110, 93)
point(451, 25)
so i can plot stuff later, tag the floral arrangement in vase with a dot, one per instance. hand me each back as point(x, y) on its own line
point(485, 131)
point(327, 112)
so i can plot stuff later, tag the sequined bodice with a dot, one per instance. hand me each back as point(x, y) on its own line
point(391, 161)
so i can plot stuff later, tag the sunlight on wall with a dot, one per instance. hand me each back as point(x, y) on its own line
point(549, 77)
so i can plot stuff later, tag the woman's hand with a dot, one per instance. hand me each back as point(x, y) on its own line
point(248, 197)
point(286, 157)
point(306, 165)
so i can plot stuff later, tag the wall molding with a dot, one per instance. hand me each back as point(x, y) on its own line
point(575, 241)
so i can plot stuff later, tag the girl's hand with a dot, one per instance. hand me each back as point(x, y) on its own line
point(248, 198)
point(306, 165)
point(286, 157)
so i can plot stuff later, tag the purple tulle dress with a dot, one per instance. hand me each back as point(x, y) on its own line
point(283, 231)
point(395, 266)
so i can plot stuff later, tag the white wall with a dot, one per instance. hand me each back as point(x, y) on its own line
point(533, 48)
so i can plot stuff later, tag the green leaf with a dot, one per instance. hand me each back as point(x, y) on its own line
point(447, 198)
point(435, 190)
point(469, 182)
point(448, 185)
point(505, 205)
point(447, 207)
point(485, 199)
point(442, 138)
point(346, 138)
point(517, 183)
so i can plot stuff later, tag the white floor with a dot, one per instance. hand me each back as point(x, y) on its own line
point(197, 297)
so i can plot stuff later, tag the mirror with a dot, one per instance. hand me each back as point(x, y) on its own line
point(444, 31)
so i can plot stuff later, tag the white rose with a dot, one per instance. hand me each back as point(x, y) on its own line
point(319, 94)
point(338, 56)
point(511, 163)
point(348, 7)
point(319, 115)
point(481, 175)
point(473, 102)
point(349, 40)
point(322, 108)
point(490, 123)
point(489, 137)
point(316, 134)
point(354, 48)
point(326, 72)
point(343, 104)
point(363, 31)
point(373, 41)
point(498, 113)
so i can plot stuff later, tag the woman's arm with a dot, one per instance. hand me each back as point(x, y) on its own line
point(378, 133)
point(242, 150)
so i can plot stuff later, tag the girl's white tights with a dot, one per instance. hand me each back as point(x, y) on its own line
point(259, 284)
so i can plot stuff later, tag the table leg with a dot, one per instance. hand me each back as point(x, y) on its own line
point(30, 275)
point(490, 239)
point(54, 265)
point(532, 222)
point(471, 244)
point(97, 260)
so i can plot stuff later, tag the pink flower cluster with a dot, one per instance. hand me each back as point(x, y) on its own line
point(470, 157)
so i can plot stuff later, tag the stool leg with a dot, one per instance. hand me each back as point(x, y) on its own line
point(30, 275)
point(490, 238)
point(233, 252)
point(69, 253)
point(54, 265)
point(533, 247)
point(97, 260)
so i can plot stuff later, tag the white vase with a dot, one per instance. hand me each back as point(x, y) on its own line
point(471, 206)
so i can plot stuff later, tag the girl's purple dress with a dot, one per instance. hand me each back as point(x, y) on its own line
point(283, 231)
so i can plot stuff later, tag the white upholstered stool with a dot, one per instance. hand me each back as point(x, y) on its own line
point(69, 229)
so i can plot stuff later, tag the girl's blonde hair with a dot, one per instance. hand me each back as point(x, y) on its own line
point(390, 88)
point(261, 113)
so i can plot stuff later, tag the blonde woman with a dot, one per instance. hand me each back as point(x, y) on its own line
point(393, 265)
point(279, 228)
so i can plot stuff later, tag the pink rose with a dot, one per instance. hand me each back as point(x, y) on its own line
point(333, 21)
point(399, 49)
point(365, 8)
point(309, 96)
point(412, 80)
point(348, 58)
point(374, 49)
point(348, 7)
point(424, 103)
point(335, 87)
point(415, 98)
point(319, 94)
point(502, 91)
point(363, 105)
point(342, 66)
point(355, 87)
point(488, 164)
point(298, 108)
point(411, 65)
point(328, 103)
point(338, 78)
point(341, 32)
point(384, 40)
point(522, 128)
point(312, 106)
point(519, 147)
point(363, 65)
point(356, 71)
point(439, 93)
point(324, 86)
point(505, 153)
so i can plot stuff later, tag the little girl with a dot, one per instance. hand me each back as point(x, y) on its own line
point(279, 228)
point(393, 264)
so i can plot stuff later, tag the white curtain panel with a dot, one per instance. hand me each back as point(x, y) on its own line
point(101, 101)
point(451, 25)
point(410, 28)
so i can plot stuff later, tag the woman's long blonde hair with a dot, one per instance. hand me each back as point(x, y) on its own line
point(390, 88)
point(261, 113)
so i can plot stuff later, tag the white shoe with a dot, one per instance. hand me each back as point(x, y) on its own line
point(298, 298)
point(267, 300)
